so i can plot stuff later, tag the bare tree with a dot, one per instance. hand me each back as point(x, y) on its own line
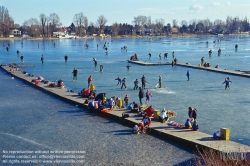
point(31, 26)
point(43, 20)
point(47, 26)
point(81, 21)
point(169, 28)
point(159, 23)
point(184, 26)
point(192, 25)
point(6, 22)
point(183, 23)
point(245, 25)
point(199, 27)
point(86, 24)
point(115, 28)
point(218, 25)
point(101, 22)
point(232, 24)
point(149, 23)
point(175, 23)
point(54, 22)
point(140, 22)
point(207, 24)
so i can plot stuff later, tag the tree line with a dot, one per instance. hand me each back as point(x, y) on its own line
point(44, 26)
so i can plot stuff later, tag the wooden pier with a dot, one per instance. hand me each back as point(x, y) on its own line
point(218, 70)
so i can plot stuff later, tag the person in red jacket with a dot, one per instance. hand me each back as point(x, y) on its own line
point(149, 111)
point(86, 93)
point(89, 80)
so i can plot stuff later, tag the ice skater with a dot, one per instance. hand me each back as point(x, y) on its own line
point(101, 68)
point(95, 62)
point(42, 59)
point(160, 81)
point(148, 95)
point(227, 82)
point(124, 83)
point(128, 67)
point(74, 74)
point(66, 58)
point(188, 75)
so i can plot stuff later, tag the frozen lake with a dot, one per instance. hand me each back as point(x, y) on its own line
point(216, 106)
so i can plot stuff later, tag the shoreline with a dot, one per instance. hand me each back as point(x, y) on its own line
point(120, 36)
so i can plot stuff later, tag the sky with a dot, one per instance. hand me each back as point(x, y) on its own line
point(124, 11)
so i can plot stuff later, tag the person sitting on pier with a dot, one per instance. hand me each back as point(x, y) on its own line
point(136, 57)
point(86, 101)
point(146, 121)
point(40, 78)
point(111, 103)
point(130, 106)
point(188, 124)
point(149, 111)
point(217, 66)
point(92, 94)
point(195, 126)
point(91, 105)
point(86, 93)
point(132, 58)
point(60, 83)
point(104, 98)
point(175, 61)
point(139, 128)
point(100, 104)
point(92, 87)
point(100, 96)
point(163, 116)
point(135, 107)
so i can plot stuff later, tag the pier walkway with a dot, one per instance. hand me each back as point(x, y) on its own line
point(219, 70)
point(186, 137)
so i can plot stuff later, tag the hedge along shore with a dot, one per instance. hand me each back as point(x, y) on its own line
point(194, 140)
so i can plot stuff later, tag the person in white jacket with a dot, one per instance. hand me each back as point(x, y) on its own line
point(163, 116)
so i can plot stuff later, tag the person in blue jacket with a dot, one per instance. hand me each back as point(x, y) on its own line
point(188, 75)
point(227, 82)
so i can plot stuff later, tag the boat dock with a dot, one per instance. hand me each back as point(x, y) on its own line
point(186, 137)
point(218, 70)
